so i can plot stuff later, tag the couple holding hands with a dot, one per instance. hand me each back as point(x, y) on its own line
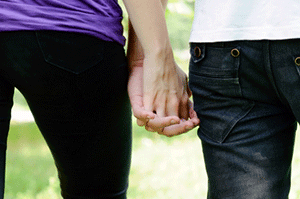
point(67, 58)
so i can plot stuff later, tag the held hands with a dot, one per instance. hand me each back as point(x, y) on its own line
point(157, 87)
point(165, 87)
point(160, 97)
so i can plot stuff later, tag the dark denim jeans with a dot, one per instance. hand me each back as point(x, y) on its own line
point(76, 88)
point(247, 96)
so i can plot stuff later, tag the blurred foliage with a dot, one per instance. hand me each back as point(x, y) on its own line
point(179, 15)
point(19, 99)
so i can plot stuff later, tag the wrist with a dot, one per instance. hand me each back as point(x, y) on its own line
point(160, 57)
point(135, 63)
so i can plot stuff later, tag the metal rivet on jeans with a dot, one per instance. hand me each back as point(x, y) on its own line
point(197, 51)
point(235, 52)
point(297, 61)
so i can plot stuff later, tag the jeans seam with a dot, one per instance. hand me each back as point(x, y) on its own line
point(268, 68)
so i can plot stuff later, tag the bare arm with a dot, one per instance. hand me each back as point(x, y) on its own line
point(147, 18)
point(155, 54)
point(163, 80)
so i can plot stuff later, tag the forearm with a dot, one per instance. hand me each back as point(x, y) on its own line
point(147, 18)
point(156, 90)
point(135, 53)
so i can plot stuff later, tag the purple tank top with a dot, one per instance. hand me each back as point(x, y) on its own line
point(99, 18)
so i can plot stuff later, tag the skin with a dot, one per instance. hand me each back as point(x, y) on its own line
point(157, 87)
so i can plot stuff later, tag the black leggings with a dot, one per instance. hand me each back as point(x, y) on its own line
point(76, 88)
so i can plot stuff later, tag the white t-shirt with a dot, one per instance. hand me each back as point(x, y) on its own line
point(228, 20)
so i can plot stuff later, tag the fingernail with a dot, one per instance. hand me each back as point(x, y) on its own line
point(173, 122)
point(188, 128)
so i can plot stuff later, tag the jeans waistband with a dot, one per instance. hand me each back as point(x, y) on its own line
point(222, 44)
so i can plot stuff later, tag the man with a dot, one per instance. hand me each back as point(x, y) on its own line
point(245, 79)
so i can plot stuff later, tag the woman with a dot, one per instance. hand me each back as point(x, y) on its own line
point(67, 59)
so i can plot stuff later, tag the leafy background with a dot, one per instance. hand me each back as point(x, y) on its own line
point(161, 167)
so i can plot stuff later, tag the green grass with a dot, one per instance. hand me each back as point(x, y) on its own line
point(161, 167)
point(30, 170)
point(166, 167)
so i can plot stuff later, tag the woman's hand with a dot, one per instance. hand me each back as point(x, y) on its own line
point(165, 87)
point(135, 91)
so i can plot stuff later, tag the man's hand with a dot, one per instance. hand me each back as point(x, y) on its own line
point(170, 128)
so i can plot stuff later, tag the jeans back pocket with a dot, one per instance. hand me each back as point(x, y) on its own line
point(217, 95)
point(73, 52)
